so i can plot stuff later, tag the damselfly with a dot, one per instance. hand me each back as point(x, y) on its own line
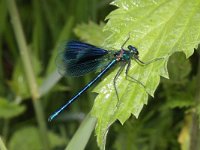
point(79, 58)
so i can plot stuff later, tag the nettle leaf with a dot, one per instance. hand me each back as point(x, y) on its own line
point(9, 109)
point(157, 29)
point(29, 138)
point(179, 90)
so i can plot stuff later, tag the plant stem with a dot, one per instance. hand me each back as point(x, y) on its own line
point(195, 128)
point(26, 60)
point(2, 146)
point(85, 130)
point(49, 82)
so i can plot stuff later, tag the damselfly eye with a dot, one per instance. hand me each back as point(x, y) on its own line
point(133, 49)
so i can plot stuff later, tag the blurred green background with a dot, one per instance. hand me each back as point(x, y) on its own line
point(31, 88)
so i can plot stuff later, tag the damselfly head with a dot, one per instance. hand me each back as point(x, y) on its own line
point(133, 50)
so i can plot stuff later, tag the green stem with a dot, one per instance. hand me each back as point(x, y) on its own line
point(49, 82)
point(82, 135)
point(26, 60)
point(2, 145)
point(195, 128)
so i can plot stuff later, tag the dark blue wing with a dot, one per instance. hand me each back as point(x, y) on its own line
point(80, 58)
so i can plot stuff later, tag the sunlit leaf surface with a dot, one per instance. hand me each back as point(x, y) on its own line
point(157, 29)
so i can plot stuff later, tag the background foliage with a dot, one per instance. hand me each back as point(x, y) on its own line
point(31, 88)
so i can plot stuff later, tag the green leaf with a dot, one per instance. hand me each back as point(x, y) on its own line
point(179, 90)
point(18, 84)
point(157, 29)
point(145, 133)
point(179, 68)
point(26, 138)
point(9, 109)
point(180, 99)
point(55, 140)
point(94, 34)
point(29, 139)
